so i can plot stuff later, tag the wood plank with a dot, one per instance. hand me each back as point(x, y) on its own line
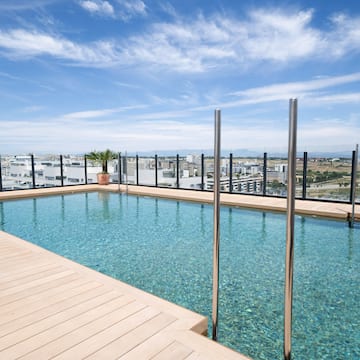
point(150, 347)
point(121, 345)
point(71, 298)
point(13, 283)
point(21, 273)
point(175, 351)
point(41, 285)
point(75, 333)
point(98, 297)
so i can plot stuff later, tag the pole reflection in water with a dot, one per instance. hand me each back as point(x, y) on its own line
point(2, 216)
point(34, 214)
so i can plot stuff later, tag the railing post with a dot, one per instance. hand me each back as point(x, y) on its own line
point(290, 223)
point(1, 187)
point(156, 170)
point(61, 170)
point(231, 174)
point(216, 244)
point(304, 175)
point(355, 156)
point(126, 173)
point(137, 169)
point(202, 172)
point(33, 171)
point(85, 169)
point(119, 168)
point(177, 172)
point(264, 173)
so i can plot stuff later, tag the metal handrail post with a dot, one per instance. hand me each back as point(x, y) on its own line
point(216, 246)
point(119, 169)
point(231, 173)
point(264, 173)
point(33, 171)
point(137, 169)
point(202, 172)
point(305, 161)
point(290, 217)
point(61, 171)
point(353, 184)
point(85, 169)
point(156, 170)
point(177, 171)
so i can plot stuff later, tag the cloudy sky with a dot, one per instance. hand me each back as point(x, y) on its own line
point(146, 75)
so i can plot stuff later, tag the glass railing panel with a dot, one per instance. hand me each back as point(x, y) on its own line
point(208, 173)
point(146, 171)
point(299, 176)
point(329, 178)
point(276, 176)
point(47, 171)
point(16, 172)
point(190, 172)
point(247, 175)
point(74, 170)
point(166, 171)
point(128, 170)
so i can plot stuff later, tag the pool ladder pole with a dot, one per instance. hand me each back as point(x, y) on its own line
point(216, 190)
point(290, 218)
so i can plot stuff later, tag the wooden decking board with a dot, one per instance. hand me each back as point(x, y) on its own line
point(122, 344)
point(150, 347)
point(17, 259)
point(50, 296)
point(38, 301)
point(47, 309)
point(28, 266)
point(95, 334)
point(44, 290)
point(22, 274)
point(41, 343)
point(14, 264)
point(15, 282)
point(19, 311)
point(36, 286)
point(175, 351)
point(50, 321)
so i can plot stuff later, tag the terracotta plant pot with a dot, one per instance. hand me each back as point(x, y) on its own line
point(103, 179)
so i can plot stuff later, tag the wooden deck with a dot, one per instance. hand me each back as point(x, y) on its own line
point(53, 308)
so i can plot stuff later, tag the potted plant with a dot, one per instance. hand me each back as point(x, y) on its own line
point(102, 157)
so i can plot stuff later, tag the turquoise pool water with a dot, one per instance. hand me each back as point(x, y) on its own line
point(165, 247)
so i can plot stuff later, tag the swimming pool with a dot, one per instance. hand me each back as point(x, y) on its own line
point(165, 247)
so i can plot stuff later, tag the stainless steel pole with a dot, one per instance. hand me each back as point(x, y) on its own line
point(290, 217)
point(353, 197)
point(215, 299)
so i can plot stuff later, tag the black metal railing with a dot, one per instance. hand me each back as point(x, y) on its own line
point(318, 178)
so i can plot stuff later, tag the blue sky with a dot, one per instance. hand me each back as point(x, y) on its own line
point(141, 75)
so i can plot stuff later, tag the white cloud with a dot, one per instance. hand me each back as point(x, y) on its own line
point(306, 90)
point(134, 6)
point(98, 7)
point(143, 135)
point(198, 45)
point(90, 114)
point(22, 43)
